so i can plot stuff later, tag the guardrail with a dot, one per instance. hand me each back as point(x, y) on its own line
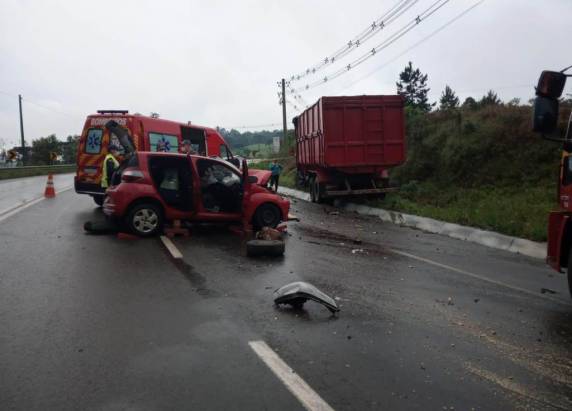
point(29, 171)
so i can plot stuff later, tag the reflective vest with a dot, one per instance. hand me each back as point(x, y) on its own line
point(104, 177)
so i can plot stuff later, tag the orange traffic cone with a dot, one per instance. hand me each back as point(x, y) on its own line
point(50, 192)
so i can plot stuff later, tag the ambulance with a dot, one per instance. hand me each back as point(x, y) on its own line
point(147, 133)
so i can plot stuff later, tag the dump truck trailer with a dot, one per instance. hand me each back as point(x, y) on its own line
point(345, 145)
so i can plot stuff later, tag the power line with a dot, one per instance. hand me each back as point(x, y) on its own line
point(386, 43)
point(444, 26)
point(379, 24)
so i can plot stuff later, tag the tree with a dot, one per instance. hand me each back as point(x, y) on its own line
point(470, 103)
point(69, 149)
point(448, 100)
point(42, 147)
point(490, 99)
point(412, 85)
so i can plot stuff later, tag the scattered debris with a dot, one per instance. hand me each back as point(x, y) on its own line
point(297, 293)
point(547, 290)
point(476, 300)
point(100, 227)
point(450, 301)
point(334, 213)
point(357, 250)
point(268, 234)
point(357, 241)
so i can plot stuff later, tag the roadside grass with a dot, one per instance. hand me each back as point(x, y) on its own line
point(517, 211)
point(521, 211)
point(17, 172)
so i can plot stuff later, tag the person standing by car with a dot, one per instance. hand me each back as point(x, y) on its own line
point(276, 169)
point(110, 164)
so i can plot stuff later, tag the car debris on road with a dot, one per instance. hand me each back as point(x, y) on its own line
point(297, 293)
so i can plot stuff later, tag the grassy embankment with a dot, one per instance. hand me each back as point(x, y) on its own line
point(480, 167)
point(18, 172)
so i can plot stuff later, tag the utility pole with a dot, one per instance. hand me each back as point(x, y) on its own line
point(284, 112)
point(22, 131)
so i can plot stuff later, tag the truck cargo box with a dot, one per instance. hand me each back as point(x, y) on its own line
point(352, 134)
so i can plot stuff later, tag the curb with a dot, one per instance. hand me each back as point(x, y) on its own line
point(474, 235)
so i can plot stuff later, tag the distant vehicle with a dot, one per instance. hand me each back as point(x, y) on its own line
point(345, 145)
point(146, 134)
point(545, 121)
point(154, 187)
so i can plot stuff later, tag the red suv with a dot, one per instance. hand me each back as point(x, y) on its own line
point(155, 187)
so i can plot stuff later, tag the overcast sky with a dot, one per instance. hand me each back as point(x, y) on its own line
point(216, 63)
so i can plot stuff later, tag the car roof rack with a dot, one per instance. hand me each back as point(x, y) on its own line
point(112, 111)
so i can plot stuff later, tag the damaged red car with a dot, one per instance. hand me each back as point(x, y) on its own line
point(154, 187)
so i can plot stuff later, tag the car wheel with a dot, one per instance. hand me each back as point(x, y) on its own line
point(145, 220)
point(267, 215)
point(99, 200)
point(272, 248)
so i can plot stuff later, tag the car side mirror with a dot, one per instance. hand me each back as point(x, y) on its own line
point(252, 179)
point(545, 116)
point(551, 84)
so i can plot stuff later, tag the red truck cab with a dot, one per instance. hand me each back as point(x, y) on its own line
point(147, 133)
point(545, 121)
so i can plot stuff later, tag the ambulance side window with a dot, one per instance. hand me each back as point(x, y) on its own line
point(93, 141)
point(163, 142)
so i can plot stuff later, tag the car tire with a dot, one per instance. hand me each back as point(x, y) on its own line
point(272, 248)
point(145, 220)
point(98, 200)
point(266, 215)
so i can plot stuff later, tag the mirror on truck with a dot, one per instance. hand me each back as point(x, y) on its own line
point(551, 84)
point(545, 116)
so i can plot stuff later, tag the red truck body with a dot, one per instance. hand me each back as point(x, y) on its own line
point(344, 145)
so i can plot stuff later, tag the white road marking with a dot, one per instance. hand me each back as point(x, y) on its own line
point(172, 248)
point(293, 382)
point(479, 277)
point(15, 210)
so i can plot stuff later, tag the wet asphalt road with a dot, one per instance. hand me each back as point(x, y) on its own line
point(18, 191)
point(427, 322)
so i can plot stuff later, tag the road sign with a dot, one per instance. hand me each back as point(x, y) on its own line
point(12, 154)
point(53, 156)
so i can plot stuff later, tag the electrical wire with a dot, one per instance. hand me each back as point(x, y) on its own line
point(379, 24)
point(386, 43)
point(441, 28)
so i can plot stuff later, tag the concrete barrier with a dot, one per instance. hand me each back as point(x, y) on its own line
point(459, 232)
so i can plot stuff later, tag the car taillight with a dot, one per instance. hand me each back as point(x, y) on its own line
point(132, 176)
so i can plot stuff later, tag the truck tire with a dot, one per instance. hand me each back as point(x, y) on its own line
point(145, 220)
point(266, 215)
point(273, 248)
point(312, 190)
point(319, 190)
point(569, 272)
